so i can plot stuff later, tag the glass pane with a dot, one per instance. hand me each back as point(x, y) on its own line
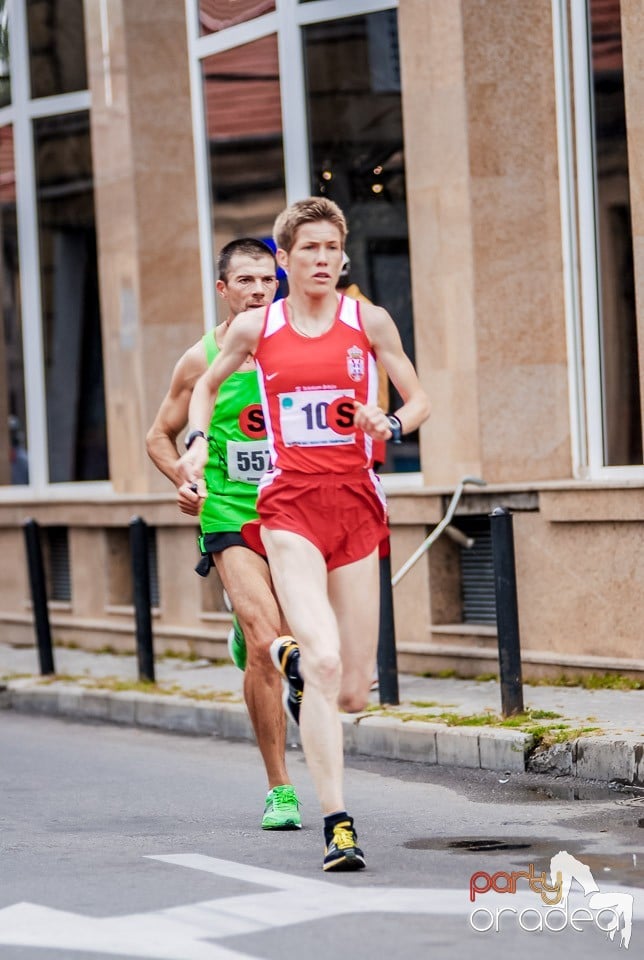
point(13, 443)
point(71, 313)
point(620, 369)
point(5, 66)
point(244, 129)
point(56, 47)
point(357, 159)
point(215, 15)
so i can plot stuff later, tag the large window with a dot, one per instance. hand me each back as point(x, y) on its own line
point(304, 98)
point(357, 159)
point(597, 240)
point(622, 421)
point(69, 292)
point(215, 15)
point(241, 91)
point(56, 47)
point(14, 467)
point(52, 407)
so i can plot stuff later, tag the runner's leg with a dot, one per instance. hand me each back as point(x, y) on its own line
point(354, 595)
point(246, 579)
point(300, 578)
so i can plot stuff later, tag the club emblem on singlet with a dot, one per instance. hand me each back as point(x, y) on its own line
point(355, 363)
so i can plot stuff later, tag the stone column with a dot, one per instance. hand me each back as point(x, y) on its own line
point(440, 230)
point(146, 213)
point(483, 193)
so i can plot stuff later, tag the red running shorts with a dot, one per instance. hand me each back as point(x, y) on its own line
point(343, 515)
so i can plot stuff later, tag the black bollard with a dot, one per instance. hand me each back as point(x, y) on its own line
point(387, 664)
point(141, 588)
point(38, 587)
point(507, 612)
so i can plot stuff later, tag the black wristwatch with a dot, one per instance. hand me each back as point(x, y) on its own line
point(192, 436)
point(396, 428)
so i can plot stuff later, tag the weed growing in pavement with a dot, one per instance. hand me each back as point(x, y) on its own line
point(532, 722)
point(593, 681)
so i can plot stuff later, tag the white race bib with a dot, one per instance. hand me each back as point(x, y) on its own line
point(248, 460)
point(316, 418)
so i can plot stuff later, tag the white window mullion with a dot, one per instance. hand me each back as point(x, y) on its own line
point(202, 171)
point(29, 254)
point(569, 244)
point(62, 103)
point(336, 9)
point(293, 97)
point(587, 213)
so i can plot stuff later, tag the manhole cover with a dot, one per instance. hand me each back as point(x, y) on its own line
point(474, 845)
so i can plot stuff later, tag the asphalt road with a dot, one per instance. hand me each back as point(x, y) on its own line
point(122, 842)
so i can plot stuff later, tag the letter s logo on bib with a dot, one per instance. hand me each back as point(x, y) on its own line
point(251, 421)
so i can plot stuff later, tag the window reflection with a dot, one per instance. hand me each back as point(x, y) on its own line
point(69, 284)
point(56, 47)
point(13, 445)
point(620, 369)
point(215, 15)
point(244, 128)
point(5, 67)
point(357, 156)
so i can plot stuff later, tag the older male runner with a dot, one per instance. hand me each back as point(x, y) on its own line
point(237, 457)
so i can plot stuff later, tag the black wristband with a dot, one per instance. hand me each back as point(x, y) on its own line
point(192, 436)
point(396, 428)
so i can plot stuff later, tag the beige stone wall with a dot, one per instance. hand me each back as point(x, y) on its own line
point(579, 560)
point(146, 217)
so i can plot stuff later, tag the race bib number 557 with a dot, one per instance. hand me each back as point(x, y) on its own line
point(317, 417)
point(248, 461)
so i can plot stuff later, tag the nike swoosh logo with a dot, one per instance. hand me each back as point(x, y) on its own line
point(269, 376)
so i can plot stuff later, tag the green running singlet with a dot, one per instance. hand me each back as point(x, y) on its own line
point(238, 450)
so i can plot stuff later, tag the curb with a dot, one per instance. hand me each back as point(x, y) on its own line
point(608, 759)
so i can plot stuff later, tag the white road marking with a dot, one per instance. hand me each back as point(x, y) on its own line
point(180, 933)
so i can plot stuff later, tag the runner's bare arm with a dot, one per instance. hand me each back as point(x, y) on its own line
point(171, 418)
point(241, 340)
point(385, 339)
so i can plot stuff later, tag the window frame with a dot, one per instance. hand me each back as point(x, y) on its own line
point(286, 21)
point(580, 242)
point(21, 114)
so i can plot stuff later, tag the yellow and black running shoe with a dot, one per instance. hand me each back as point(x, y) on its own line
point(285, 654)
point(342, 851)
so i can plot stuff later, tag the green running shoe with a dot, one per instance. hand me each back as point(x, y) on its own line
point(237, 644)
point(282, 809)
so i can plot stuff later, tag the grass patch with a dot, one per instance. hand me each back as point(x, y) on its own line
point(544, 726)
point(117, 685)
point(593, 681)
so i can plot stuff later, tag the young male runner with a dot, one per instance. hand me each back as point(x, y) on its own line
point(321, 508)
point(237, 456)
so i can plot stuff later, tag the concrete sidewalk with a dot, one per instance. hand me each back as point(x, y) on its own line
point(592, 734)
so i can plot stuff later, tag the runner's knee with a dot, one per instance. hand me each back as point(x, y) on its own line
point(353, 701)
point(324, 671)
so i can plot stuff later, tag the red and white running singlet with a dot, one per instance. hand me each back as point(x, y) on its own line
point(306, 386)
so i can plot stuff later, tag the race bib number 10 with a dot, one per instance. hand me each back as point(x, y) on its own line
point(317, 417)
point(248, 461)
